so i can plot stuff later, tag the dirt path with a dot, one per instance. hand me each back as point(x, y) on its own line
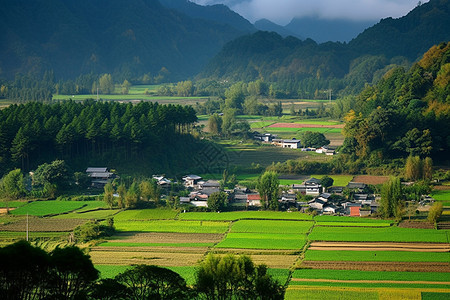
point(368, 281)
point(380, 246)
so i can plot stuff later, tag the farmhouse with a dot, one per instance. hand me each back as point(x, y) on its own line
point(356, 185)
point(311, 186)
point(293, 143)
point(99, 176)
point(264, 137)
point(191, 180)
point(253, 200)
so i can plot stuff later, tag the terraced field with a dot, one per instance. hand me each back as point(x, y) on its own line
point(323, 256)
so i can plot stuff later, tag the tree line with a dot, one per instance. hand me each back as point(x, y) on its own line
point(35, 132)
point(28, 272)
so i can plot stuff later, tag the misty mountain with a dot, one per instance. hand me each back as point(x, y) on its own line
point(130, 38)
point(322, 30)
point(218, 13)
point(300, 68)
point(266, 25)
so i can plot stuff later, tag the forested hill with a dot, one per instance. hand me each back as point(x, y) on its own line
point(406, 113)
point(302, 67)
point(142, 138)
point(132, 37)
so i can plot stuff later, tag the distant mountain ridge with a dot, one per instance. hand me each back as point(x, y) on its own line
point(218, 13)
point(130, 37)
point(266, 25)
point(302, 67)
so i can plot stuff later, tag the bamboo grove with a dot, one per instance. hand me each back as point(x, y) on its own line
point(91, 131)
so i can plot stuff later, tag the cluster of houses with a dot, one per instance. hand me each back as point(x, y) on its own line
point(290, 143)
point(330, 202)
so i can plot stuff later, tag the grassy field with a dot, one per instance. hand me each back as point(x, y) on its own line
point(271, 226)
point(12, 204)
point(239, 215)
point(442, 195)
point(89, 215)
point(331, 255)
point(172, 226)
point(389, 234)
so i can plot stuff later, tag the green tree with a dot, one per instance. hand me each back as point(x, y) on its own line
point(231, 277)
point(132, 195)
point(108, 195)
point(55, 173)
point(326, 182)
point(106, 84)
point(392, 198)
point(413, 168)
point(217, 201)
point(215, 124)
point(12, 186)
point(435, 212)
point(268, 188)
point(427, 168)
point(125, 87)
point(314, 139)
point(122, 191)
point(153, 282)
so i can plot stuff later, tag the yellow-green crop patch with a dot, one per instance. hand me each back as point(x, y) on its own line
point(240, 215)
point(146, 214)
point(172, 226)
point(339, 180)
point(336, 255)
point(263, 241)
point(118, 244)
point(385, 234)
point(298, 293)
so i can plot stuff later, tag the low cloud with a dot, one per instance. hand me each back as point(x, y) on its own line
point(282, 11)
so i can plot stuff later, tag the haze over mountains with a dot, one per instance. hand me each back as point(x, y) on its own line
point(139, 37)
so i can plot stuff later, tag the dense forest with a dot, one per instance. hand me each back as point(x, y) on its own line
point(101, 133)
point(406, 113)
point(302, 68)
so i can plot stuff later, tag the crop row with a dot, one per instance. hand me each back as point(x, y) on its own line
point(172, 226)
point(336, 255)
point(389, 234)
point(370, 275)
point(263, 241)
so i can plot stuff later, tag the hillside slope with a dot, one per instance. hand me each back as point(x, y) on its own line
point(81, 36)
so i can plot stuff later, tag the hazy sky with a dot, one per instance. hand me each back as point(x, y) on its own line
point(282, 11)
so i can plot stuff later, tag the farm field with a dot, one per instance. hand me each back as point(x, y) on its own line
point(345, 256)
point(237, 215)
point(389, 234)
point(442, 195)
point(54, 207)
